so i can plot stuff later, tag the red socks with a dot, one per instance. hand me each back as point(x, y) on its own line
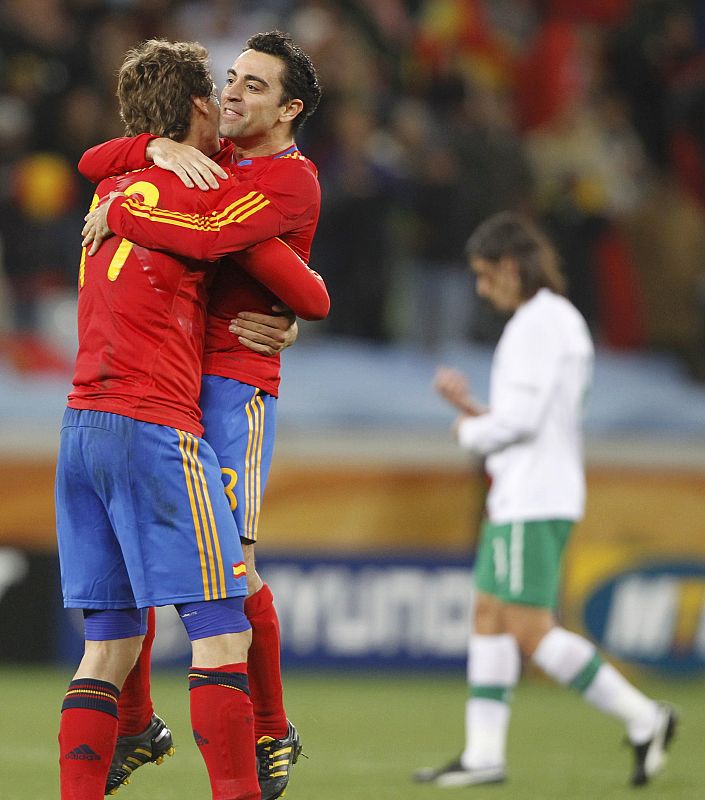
point(87, 735)
point(135, 708)
point(263, 665)
point(223, 727)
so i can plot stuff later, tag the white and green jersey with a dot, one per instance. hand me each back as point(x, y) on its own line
point(532, 433)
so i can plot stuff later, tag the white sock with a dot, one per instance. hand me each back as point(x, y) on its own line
point(486, 728)
point(571, 659)
point(612, 693)
point(494, 666)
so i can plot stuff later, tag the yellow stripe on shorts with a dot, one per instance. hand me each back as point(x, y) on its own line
point(253, 464)
point(211, 560)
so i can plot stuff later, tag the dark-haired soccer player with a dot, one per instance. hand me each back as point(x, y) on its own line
point(271, 88)
point(531, 435)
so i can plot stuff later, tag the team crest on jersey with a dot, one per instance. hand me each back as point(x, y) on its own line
point(239, 569)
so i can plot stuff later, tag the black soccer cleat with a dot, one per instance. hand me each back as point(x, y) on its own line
point(131, 752)
point(455, 774)
point(275, 758)
point(650, 757)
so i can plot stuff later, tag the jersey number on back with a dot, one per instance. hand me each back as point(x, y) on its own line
point(150, 193)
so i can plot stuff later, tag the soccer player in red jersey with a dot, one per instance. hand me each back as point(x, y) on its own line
point(141, 516)
point(277, 196)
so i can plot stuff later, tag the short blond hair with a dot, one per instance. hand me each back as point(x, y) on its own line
point(156, 84)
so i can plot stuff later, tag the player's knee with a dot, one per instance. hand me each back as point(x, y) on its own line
point(219, 631)
point(487, 614)
point(254, 582)
point(113, 641)
point(528, 626)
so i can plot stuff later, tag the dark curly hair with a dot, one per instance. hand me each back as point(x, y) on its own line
point(299, 78)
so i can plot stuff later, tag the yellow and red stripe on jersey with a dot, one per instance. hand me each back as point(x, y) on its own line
point(239, 569)
point(236, 212)
point(211, 559)
point(253, 464)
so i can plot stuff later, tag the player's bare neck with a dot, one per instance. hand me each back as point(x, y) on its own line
point(262, 147)
point(203, 132)
point(206, 143)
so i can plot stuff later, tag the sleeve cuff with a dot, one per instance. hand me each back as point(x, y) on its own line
point(114, 216)
point(466, 433)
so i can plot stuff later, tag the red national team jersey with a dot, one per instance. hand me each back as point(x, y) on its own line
point(274, 196)
point(141, 321)
point(289, 181)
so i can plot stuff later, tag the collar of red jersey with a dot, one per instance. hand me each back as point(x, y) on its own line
point(245, 162)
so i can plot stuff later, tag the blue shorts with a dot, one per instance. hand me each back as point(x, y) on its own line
point(240, 424)
point(141, 516)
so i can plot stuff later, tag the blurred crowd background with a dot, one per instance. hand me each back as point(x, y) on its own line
point(589, 114)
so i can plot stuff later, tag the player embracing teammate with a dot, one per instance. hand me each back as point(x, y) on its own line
point(268, 194)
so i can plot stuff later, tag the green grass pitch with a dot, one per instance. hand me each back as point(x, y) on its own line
point(365, 733)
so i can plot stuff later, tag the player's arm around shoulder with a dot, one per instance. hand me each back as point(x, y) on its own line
point(190, 165)
point(115, 157)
